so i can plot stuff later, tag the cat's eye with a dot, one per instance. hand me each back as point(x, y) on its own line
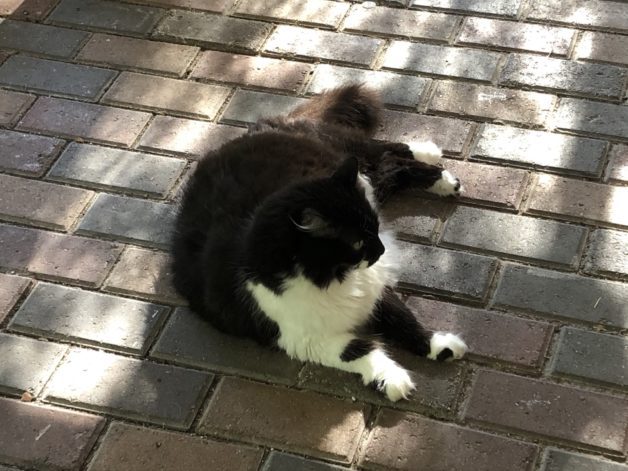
point(358, 245)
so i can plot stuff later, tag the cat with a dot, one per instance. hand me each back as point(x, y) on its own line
point(278, 239)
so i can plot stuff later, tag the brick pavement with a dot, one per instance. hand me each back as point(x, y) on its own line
point(106, 105)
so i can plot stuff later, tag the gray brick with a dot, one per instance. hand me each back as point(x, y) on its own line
point(11, 288)
point(323, 12)
point(602, 14)
point(540, 72)
point(540, 149)
point(188, 339)
point(395, 89)
point(447, 61)
point(27, 363)
point(64, 313)
point(445, 271)
point(601, 47)
point(27, 154)
point(130, 219)
point(105, 15)
point(213, 31)
point(515, 236)
point(592, 356)
point(123, 387)
point(617, 170)
point(41, 39)
point(604, 119)
point(563, 295)
point(248, 106)
point(13, 105)
point(107, 168)
point(492, 7)
point(57, 78)
point(560, 460)
point(413, 218)
point(607, 253)
point(277, 461)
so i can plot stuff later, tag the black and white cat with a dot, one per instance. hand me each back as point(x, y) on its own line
point(278, 239)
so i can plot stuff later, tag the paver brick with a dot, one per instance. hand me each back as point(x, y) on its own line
point(251, 70)
point(217, 6)
point(40, 203)
point(560, 460)
point(46, 438)
point(54, 77)
point(269, 415)
point(188, 339)
point(492, 7)
point(513, 235)
point(548, 409)
point(30, 10)
point(27, 154)
point(410, 442)
point(86, 317)
point(492, 103)
point(138, 448)
point(277, 461)
point(563, 295)
point(618, 164)
point(578, 200)
point(41, 39)
point(540, 149)
point(311, 43)
point(12, 105)
point(213, 31)
point(11, 288)
point(602, 47)
point(26, 363)
point(84, 120)
point(446, 61)
point(138, 54)
point(594, 117)
point(607, 253)
point(413, 218)
point(123, 387)
point(116, 169)
point(248, 106)
point(159, 93)
point(321, 13)
point(591, 355)
point(608, 15)
point(130, 219)
point(516, 36)
point(106, 15)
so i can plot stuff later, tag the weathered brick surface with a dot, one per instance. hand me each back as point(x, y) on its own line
point(247, 106)
point(603, 119)
point(11, 288)
point(618, 163)
point(611, 15)
point(138, 448)
point(493, 7)
point(548, 409)
point(46, 437)
point(12, 106)
point(607, 253)
point(323, 12)
point(413, 218)
point(27, 154)
point(30, 10)
point(560, 460)
point(217, 6)
point(602, 47)
point(41, 39)
point(277, 461)
point(410, 442)
point(125, 387)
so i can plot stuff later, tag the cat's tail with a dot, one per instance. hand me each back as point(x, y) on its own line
point(353, 106)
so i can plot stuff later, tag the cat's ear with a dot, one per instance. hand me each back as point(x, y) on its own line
point(312, 222)
point(347, 173)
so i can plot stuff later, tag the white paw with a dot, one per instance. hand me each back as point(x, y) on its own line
point(443, 340)
point(396, 383)
point(447, 185)
point(426, 152)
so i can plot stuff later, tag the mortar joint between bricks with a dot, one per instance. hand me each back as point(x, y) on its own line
point(524, 9)
point(457, 30)
point(365, 437)
point(532, 179)
point(96, 445)
point(501, 63)
point(341, 24)
point(378, 60)
point(18, 304)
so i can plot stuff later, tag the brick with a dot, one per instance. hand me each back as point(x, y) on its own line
point(618, 164)
point(413, 218)
point(445, 271)
point(579, 200)
point(447, 133)
point(251, 70)
point(321, 13)
point(188, 339)
point(130, 219)
point(186, 137)
point(607, 15)
point(607, 253)
point(27, 154)
point(591, 356)
point(491, 7)
point(85, 120)
point(559, 460)
point(594, 117)
point(602, 47)
point(563, 295)
point(11, 288)
point(138, 448)
point(71, 314)
point(138, 54)
point(247, 106)
point(492, 103)
point(106, 15)
point(30, 10)
point(12, 105)
point(269, 415)
point(124, 387)
point(53, 256)
point(394, 89)
point(40, 39)
point(27, 363)
point(484, 331)
point(540, 149)
point(311, 43)
point(116, 169)
point(398, 22)
point(4, 55)
point(143, 273)
point(514, 236)
point(410, 442)
point(213, 31)
point(46, 437)
point(40, 203)
point(217, 6)
point(284, 462)
point(548, 409)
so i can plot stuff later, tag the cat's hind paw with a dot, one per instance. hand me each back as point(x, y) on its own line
point(446, 185)
point(426, 152)
point(446, 346)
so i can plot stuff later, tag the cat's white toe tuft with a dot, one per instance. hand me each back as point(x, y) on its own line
point(426, 152)
point(446, 185)
point(397, 384)
point(442, 341)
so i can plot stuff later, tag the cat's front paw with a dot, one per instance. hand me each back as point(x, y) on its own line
point(426, 152)
point(446, 346)
point(446, 185)
point(395, 383)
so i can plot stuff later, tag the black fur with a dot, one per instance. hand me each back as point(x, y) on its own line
point(357, 348)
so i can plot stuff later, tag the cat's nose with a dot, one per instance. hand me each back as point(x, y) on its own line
point(376, 252)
